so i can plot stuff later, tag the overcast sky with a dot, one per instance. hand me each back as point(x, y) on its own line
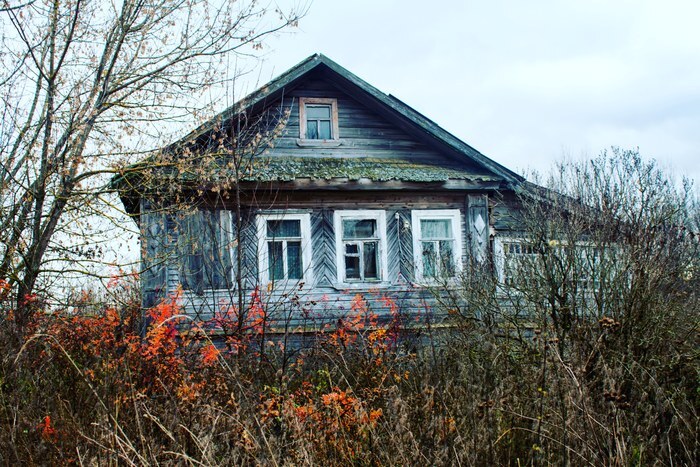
point(525, 83)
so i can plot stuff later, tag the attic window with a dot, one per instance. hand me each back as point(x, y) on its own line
point(318, 121)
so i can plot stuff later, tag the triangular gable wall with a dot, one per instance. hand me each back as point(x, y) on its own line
point(373, 124)
point(363, 132)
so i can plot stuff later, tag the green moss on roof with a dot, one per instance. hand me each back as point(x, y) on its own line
point(379, 170)
point(213, 169)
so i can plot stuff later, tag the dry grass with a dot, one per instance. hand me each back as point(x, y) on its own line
point(89, 390)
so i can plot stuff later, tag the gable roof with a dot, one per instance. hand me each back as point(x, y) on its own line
point(468, 165)
point(392, 108)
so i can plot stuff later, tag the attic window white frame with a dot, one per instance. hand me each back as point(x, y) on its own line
point(263, 257)
point(334, 140)
point(454, 216)
point(377, 215)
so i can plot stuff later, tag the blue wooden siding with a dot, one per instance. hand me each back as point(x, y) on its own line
point(363, 133)
point(323, 300)
point(323, 247)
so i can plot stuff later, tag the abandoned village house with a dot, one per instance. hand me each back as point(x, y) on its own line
point(314, 189)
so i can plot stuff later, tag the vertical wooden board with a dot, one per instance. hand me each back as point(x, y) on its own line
point(393, 245)
point(400, 245)
point(407, 264)
point(323, 247)
point(478, 226)
point(172, 271)
point(153, 255)
point(249, 250)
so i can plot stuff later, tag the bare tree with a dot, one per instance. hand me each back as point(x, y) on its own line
point(83, 83)
point(594, 304)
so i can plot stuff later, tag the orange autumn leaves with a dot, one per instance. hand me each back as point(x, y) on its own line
point(46, 429)
point(172, 357)
point(337, 421)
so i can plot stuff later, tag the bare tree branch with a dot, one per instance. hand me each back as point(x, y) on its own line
point(84, 82)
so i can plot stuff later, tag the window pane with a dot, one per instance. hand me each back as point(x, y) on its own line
point(446, 258)
point(429, 257)
point(324, 129)
point(352, 267)
point(284, 228)
point(318, 112)
point(352, 249)
point(294, 266)
point(275, 264)
point(365, 228)
point(370, 259)
point(436, 228)
point(312, 129)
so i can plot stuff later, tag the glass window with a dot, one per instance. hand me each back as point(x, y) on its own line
point(318, 118)
point(204, 242)
point(318, 121)
point(361, 241)
point(284, 228)
point(294, 261)
point(359, 228)
point(284, 247)
point(275, 257)
point(361, 247)
point(318, 112)
point(437, 245)
point(511, 257)
point(436, 228)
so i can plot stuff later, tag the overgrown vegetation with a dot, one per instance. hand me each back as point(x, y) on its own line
point(582, 350)
point(86, 87)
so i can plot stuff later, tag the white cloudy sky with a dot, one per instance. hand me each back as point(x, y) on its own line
point(525, 83)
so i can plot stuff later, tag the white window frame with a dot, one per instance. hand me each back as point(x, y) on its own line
point(379, 216)
point(500, 257)
point(334, 140)
point(499, 254)
point(307, 267)
point(455, 216)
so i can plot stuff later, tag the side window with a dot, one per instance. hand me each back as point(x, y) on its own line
point(515, 255)
point(361, 246)
point(318, 119)
point(578, 265)
point(205, 250)
point(284, 247)
point(437, 244)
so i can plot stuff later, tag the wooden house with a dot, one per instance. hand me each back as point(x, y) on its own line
point(314, 189)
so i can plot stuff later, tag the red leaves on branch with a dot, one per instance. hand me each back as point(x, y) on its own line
point(46, 429)
point(173, 359)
